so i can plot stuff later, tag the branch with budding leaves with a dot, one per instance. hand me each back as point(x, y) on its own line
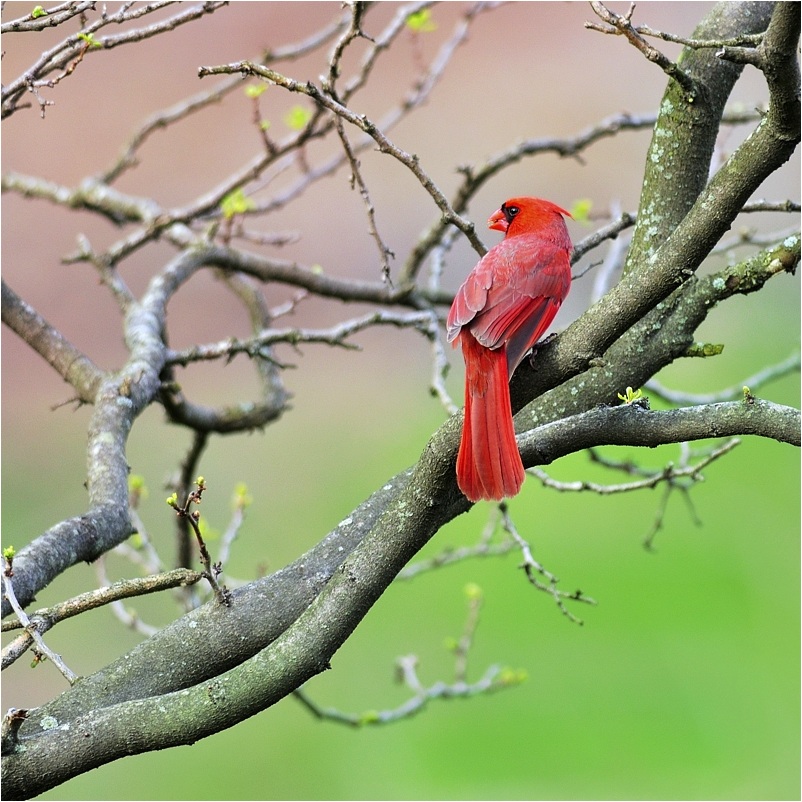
point(185, 512)
point(64, 57)
point(567, 403)
point(494, 678)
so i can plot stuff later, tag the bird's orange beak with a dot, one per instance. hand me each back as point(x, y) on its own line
point(498, 222)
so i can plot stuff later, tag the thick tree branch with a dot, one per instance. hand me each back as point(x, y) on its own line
point(655, 274)
point(306, 646)
point(686, 129)
point(632, 425)
point(660, 337)
point(118, 401)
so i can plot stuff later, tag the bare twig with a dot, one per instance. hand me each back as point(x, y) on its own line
point(45, 618)
point(610, 231)
point(210, 572)
point(358, 181)
point(762, 377)
point(670, 474)
point(622, 25)
point(772, 206)
point(337, 335)
point(162, 120)
point(532, 567)
point(494, 678)
point(31, 629)
point(744, 40)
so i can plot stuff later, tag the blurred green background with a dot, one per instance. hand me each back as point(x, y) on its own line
point(682, 683)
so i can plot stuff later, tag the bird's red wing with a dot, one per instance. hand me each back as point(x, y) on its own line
point(470, 298)
point(532, 328)
point(513, 295)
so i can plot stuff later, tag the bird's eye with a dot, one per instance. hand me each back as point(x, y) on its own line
point(510, 212)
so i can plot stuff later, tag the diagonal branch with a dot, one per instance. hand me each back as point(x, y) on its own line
point(69, 362)
point(622, 25)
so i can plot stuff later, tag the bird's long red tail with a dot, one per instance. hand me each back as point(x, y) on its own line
point(488, 464)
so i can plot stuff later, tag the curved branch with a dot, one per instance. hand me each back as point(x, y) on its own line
point(118, 401)
point(297, 618)
point(631, 425)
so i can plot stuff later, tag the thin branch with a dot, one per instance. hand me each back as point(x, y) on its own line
point(353, 31)
point(493, 679)
point(745, 40)
point(768, 374)
point(670, 474)
point(359, 182)
point(122, 589)
point(337, 336)
point(296, 50)
point(210, 572)
point(449, 556)
point(31, 629)
point(163, 119)
point(500, 519)
point(241, 501)
point(611, 231)
point(532, 567)
point(772, 206)
point(128, 617)
point(46, 618)
point(67, 54)
point(182, 485)
point(622, 25)
point(54, 17)
point(613, 264)
point(361, 121)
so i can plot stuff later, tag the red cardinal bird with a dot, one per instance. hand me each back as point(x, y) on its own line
point(503, 308)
